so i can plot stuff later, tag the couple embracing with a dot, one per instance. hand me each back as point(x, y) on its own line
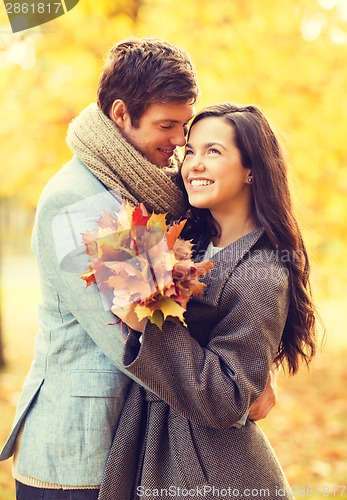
point(108, 419)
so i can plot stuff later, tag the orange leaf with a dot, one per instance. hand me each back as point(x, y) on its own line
point(204, 267)
point(173, 233)
point(89, 277)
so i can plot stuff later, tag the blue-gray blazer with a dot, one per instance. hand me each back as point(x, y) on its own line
point(76, 387)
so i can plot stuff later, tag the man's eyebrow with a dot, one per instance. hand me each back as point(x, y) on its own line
point(170, 120)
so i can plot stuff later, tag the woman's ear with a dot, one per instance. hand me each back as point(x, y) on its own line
point(249, 177)
point(118, 112)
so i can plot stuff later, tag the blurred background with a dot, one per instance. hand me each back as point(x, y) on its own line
point(286, 56)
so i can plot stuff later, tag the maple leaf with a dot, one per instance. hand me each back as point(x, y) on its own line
point(158, 221)
point(182, 249)
point(183, 269)
point(170, 308)
point(89, 237)
point(170, 289)
point(157, 318)
point(107, 221)
point(155, 236)
point(186, 289)
point(89, 277)
point(121, 300)
point(160, 264)
point(204, 267)
point(126, 276)
point(143, 311)
point(173, 233)
point(95, 274)
point(124, 216)
point(118, 245)
point(144, 261)
point(140, 216)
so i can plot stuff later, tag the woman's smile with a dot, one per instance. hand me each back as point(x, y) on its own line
point(200, 182)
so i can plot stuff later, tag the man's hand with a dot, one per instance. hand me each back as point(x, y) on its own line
point(264, 404)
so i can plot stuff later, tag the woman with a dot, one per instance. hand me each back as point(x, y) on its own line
point(256, 309)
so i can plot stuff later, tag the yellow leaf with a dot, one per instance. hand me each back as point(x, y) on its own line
point(142, 312)
point(157, 220)
point(170, 308)
point(157, 318)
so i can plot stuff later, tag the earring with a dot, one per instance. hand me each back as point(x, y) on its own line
point(250, 180)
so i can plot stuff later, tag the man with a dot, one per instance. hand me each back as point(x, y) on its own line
point(76, 386)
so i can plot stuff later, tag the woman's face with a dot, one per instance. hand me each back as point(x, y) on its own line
point(212, 171)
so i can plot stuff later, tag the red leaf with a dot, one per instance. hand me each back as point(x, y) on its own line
point(140, 216)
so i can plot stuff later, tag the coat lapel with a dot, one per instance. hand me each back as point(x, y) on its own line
point(225, 262)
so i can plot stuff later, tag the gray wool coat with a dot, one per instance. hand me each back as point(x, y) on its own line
point(178, 439)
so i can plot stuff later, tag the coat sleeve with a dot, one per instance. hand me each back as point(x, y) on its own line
point(216, 384)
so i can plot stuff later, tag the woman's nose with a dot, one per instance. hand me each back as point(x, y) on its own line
point(198, 164)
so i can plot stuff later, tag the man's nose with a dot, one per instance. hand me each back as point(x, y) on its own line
point(179, 139)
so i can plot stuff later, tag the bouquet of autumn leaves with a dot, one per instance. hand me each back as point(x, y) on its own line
point(142, 260)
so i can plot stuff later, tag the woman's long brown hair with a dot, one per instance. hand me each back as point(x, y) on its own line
point(262, 153)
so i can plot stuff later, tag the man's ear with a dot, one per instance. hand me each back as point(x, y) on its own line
point(118, 112)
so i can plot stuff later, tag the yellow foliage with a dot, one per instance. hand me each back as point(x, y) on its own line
point(245, 51)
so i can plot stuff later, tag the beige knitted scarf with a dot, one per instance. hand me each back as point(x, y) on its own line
point(96, 140)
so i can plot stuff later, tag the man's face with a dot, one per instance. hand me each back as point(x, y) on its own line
point(163, 126)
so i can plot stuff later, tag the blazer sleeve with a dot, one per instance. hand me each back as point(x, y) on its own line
point(216, 384)
point(84, 304)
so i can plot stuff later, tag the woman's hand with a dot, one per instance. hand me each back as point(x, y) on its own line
point(264, 404)
point(128, 315)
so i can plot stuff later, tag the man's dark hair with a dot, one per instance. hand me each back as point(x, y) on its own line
point(145, 71)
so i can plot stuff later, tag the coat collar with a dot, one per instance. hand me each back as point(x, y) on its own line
point(225, 262)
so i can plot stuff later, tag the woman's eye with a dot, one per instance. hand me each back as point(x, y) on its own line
point(213, 151)
point(166, 127)
point(188, 152)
